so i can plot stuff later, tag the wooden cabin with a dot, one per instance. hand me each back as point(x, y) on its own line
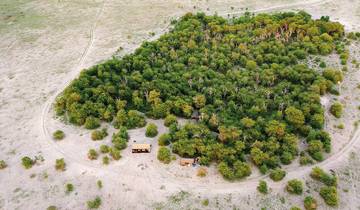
point(141, 148)
point(187, 161)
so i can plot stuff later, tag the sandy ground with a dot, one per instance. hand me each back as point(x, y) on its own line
point(44, 45)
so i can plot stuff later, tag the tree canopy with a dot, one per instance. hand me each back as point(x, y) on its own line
point(245, 77)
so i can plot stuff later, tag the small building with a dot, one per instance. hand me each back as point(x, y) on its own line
point(188, 161)
point(141, 148)
point(195, 115)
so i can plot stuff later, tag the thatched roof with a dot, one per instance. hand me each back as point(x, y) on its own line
point(141, 146)
point(186, 161)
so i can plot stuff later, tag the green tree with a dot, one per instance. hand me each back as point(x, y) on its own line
point(330, 196)
point(262, 187)
point(295, 186)
point(164, 155)
point(151, 130)
point(336, 109)
point(58, 135)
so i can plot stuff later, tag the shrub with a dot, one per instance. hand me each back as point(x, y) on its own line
point(277, 174)
point(295, 187)
point(305, 160)
point(320, 175)
point(94, 204)
point(106, 160)
point(164, 155)
point(295, 208)
point(51, 208)
point(92, 154)
point(104, 148)
point(2, 164)
point(151, 130)
point(115, 153)
point(333, 75)
point(60, 164)
point(262, 187)
point(329, 194)
point(27, 162)
point(336, 109)
point(92, 123)
point(58, 135)
point(69, 188)
point(99, 184)
point(205, 202)
point(170, 119)
point(202, 172)
point(164, 139)
point(120, 138)
point(99, 134)
point(310, 203)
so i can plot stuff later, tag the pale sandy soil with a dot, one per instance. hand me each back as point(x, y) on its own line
point(43, 46)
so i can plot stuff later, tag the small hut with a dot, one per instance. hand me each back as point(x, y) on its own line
point(195, 115)
point(188, 161)
point(141, 148)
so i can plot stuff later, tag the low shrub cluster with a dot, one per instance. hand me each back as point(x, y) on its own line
point(99, 134)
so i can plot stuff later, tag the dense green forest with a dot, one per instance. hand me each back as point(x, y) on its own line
point(246, 77)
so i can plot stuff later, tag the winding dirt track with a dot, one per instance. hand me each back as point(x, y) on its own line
point(293, 172)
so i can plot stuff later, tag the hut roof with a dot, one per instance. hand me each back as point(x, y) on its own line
point(186, 161)
point(141, 146)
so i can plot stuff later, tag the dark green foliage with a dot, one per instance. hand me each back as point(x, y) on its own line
point(27, 162)
point(320, 175)
point(262, 187)
point(295, 186)
point(330, 196)
point(333, 75)
point(164, 139)
point(92, 123)
point(237, 171)
point(94, 204)
point(99, 134)
point(69, 188)
point(164, 155)
point(277, 174)
point(310, 203)
point(151, 130)
point(2, 164)
point(115, 153)
point(92, 154)
point(60, 164)
point(58, 135)
point(104, 149)
point(120, 138)
point(336, 109)
point(170, 119)
point(241, 77)
point(106, 160)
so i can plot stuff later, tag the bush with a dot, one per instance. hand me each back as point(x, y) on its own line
point(151, 130)
point(164, 155)
point(2, 164)
point(333, 75)
point(69, 188)
point(92, 123)
point(106, 160)
point(51, 208)
point(99, 134)
point(27, 162)
point(115, 153)
point(60, 164)
point(99, 184)
point(92, 154)
point(94, 204)
point(295, 208)
point(295, 187)
point(310, 203)
point(336, 109)
point(104, 148)
point(262, 187)
point(170, 119)
point(320, 175)
point(277, 174)
point(329, 194)
point(164, 139)
point(58, 135)
point(120, 138)
point(202, 172)
point(205, 202)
